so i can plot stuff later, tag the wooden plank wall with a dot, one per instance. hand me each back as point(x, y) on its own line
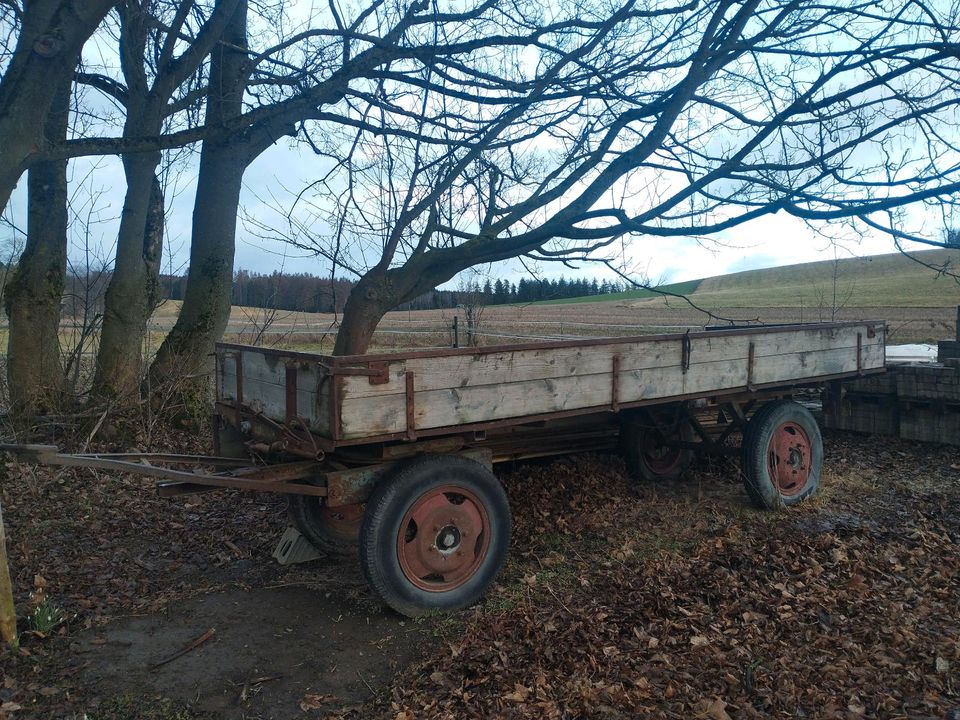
point(473, 388)
point(914, 402)
point(264, 386)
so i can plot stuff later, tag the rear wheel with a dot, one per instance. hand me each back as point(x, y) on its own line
point(649, 448)
point(782, 455)
point(435, 534)
point(331, 530)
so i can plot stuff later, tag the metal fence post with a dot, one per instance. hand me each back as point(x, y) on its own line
point(456, 331)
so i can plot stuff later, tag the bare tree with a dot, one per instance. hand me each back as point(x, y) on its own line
point(49, 37)
point(158, 82)
point(682, 120)
point(339, 63)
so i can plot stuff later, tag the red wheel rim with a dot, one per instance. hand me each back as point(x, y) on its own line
point(443, 538)
point(660, 458)
point(789, 458)
point(343, 521)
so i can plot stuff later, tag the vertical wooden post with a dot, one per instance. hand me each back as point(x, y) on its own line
point(456, 330)
point(8, 614)
point(958, 323)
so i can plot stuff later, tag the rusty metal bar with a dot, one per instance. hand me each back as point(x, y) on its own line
point(290, 393)
point(411, 407)
point(335, 384)
point(238, 400)
point(751, 358)
point(271, 478)
point(439, 445)
point(354, 485)
point(859, 353)
point(615, 384)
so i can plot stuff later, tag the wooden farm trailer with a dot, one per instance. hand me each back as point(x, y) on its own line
point(394, 451)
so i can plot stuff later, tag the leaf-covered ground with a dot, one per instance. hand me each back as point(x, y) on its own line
point(676, 601)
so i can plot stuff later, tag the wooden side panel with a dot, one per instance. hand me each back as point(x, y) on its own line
point(545, 363)
point(264, 387)
point(465, 389)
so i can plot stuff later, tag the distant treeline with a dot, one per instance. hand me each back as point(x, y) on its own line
point(309, 293)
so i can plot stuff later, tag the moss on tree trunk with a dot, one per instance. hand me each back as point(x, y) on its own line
point(33, 296)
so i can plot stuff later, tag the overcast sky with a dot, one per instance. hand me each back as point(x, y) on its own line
point(767, 242)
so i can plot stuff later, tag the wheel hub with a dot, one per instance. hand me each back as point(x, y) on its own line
point(448, 539)
point(443, 539)
point(659, 456)
point(789, 458)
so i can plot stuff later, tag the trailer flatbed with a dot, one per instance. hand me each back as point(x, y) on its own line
point(358, 400)
point(389, 456)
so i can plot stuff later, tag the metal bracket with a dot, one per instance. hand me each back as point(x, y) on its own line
point(685, 350)
point(411, 408)
point(615, 384)
point(377, 372)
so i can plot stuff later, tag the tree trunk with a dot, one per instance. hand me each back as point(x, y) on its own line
point(134, 289)
point(33, 296)
point(369, 300)
point(206, 303)
point(379, 291)
point(48, 47)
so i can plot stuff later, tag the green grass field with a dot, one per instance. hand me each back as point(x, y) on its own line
point(683, 288)
point(892, 280)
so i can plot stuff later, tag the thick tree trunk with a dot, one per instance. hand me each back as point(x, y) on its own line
point(48, 46)
point(369, 300)
point(379, 291)
point(33, 296)
point(134, 289)
point(206, 303)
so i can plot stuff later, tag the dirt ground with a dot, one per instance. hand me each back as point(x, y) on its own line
point(674, 601)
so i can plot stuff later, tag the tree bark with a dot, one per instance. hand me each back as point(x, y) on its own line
point(134, 289)
point(51, 36)
point(33, 296)
point(206, 303)
point(369, 300)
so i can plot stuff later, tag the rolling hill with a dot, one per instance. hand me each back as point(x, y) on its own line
point(891, 280)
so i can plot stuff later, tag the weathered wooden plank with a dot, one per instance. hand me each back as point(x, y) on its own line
point(442, 407)
point(552, 363)
point(264, 386)
point(271, 400)
point(269, 368)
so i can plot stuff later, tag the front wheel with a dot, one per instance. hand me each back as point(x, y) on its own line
point(782, 455)
point(435, 535)
point(333, 531)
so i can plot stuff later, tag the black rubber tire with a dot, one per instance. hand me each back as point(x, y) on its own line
point(634, 430)
point(306, 514)
point(394, 496)
point(759, 485)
